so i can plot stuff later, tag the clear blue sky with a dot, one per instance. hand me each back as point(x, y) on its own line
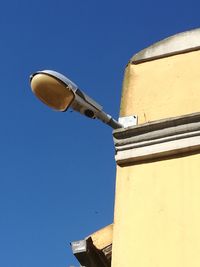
point(57, 170)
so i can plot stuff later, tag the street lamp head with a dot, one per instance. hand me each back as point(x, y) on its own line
point(52, 90)
point(59, 93)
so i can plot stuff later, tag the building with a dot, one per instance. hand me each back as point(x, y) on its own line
point(157, 201)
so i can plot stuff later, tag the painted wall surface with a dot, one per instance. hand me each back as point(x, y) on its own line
point(162, 88)
point(157, 205)
point(157, 214)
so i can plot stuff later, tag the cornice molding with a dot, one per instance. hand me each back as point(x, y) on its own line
point(176, 44)
point(157, 139)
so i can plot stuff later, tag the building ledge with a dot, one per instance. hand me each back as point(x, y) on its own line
point(95, 250)
point(157, 139)
point(179, 43)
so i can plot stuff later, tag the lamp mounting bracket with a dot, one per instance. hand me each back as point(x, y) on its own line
point(128, 121)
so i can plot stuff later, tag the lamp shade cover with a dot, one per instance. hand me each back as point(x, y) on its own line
point(52, 91)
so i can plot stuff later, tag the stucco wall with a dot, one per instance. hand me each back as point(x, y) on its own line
point(162, 88)
point(157, 205)
point(157, 214)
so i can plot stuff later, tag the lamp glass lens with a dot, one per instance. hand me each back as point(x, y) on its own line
point(52, 92)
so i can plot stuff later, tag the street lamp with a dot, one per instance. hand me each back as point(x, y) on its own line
point(59, 93)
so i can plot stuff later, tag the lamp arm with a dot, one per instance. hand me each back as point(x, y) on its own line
point(106, 118)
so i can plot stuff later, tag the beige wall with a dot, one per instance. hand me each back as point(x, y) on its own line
point(157, 214)
point(162, 88)
point(157, 205)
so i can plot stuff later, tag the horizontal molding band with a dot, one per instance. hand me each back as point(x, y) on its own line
point(176, 44)
point(157, 139)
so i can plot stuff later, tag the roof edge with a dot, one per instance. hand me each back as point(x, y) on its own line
point(176, 44)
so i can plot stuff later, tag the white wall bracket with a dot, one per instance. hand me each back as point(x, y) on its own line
point(128, 121)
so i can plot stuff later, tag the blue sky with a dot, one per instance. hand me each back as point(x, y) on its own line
point(57, 170)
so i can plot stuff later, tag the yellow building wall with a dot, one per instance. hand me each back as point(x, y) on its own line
point(157, 204)
point(162, 88)
point(157, 214)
